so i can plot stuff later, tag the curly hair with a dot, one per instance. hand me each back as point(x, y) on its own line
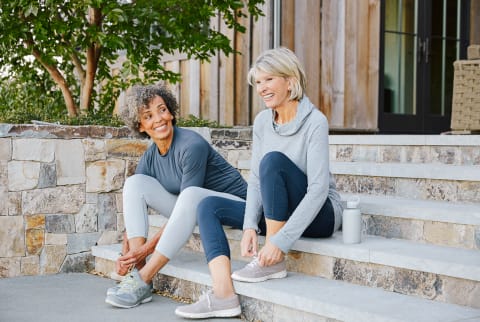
point(137, 98)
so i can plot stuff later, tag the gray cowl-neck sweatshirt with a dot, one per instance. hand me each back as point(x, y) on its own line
point(305, 141)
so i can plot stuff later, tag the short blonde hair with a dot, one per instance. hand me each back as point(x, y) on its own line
point(137, 98)
point(284, 63)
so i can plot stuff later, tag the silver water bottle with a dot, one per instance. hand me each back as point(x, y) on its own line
point(352, 222)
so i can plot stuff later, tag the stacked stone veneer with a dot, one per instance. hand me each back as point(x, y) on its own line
point(60, 192)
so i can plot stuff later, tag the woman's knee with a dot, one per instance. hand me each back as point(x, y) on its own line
point(206, 208)
point(192, 193)
point(190, 197)
point(135, 183)
point(188, 201)
point(272, 161)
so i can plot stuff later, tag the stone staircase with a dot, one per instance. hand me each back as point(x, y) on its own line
point(419, 259)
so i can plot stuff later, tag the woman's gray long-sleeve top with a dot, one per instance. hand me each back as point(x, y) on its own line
point(305, 141)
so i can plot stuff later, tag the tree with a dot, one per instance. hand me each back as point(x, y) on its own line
point(76, 42)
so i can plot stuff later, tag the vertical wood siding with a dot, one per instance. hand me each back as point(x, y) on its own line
point(336, 40)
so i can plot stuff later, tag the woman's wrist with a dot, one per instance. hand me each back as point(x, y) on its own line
point(250, 230)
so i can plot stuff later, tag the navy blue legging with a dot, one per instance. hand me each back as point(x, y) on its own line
point(283, 185)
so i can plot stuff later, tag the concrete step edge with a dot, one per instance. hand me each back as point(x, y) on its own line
point(469, 173)
point(405, 140)
point(407, 208)
point(400, 253)
point(448, 261)
point(315, 295)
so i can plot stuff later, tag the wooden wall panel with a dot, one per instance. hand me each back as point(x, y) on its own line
point(184, 86)
point(226, 83)
point(174, 66)
point(333, 61)
point(360, 111)
point(242, 65)
point(261, 41)
point(474, 22)
point(337, 41)
point(288, 24)
point(207, 108)
point(307, 45)
point(212, 87)
point(193, 89)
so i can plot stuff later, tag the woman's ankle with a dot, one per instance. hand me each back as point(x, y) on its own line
point(224, 295)
point(140, 265)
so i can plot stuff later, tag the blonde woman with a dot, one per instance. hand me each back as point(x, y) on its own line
point(290, 185)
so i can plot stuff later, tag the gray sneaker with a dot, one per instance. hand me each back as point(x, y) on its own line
point(253, 272)
point(113, 290)
point(209, 306)
point(131, 292)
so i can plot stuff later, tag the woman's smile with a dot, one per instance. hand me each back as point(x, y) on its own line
point(156, 121)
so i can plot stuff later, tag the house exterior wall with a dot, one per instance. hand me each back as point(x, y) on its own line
point(338, 41)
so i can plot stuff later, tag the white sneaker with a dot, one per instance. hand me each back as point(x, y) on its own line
point(209, 306)
point(254, 273)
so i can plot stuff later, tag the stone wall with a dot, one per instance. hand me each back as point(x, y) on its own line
point(61, 191)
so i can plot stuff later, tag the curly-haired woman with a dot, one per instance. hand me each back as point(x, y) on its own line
point(176, 173)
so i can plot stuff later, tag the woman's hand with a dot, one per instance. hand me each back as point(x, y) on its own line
point(248, 245)
point(121, 268)
point(270, 255)
point(133, 257)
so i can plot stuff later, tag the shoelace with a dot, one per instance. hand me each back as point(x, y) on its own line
point(128, 284)
point(253, 263)
point(207, 296)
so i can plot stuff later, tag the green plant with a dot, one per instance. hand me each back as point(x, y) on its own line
point(76, 43)
point(35, 97)
point(193, 121)
point(20, 104)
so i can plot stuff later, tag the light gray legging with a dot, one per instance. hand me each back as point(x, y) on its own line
point(141, 191)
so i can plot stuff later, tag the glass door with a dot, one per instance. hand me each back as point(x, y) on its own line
point(420, 41)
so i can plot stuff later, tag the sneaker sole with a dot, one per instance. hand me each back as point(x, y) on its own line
point(111, 301)
point(113, 292)
point(213, 314)
point(281, 274)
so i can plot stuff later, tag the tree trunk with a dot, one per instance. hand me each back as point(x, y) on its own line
point(59, 79)
point(93, 54)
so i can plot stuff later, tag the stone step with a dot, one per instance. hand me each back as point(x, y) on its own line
point(448, 261)
point(445, 172)
point(406, 140)
point(413, 181)
point(434, 222)
point(302, 297)
point(424, 181)
point(437, 149)
point(428, 210)
point(441, 273)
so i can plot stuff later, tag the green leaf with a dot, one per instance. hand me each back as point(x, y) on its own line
point(137, 33)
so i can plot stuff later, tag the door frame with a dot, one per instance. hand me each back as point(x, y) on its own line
point(422, 122)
